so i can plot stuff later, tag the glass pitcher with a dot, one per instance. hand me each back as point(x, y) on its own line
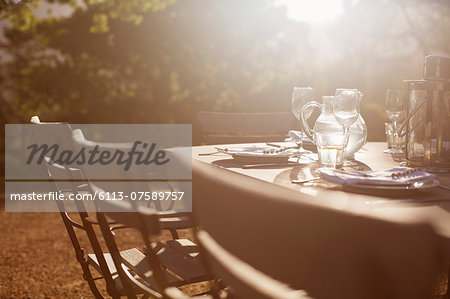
point(326, 124)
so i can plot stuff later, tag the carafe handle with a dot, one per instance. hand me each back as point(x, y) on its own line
point(309, 132)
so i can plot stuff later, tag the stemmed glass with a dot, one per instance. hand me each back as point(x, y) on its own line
point(396, 111)
point(301, 96)
point(346, 110)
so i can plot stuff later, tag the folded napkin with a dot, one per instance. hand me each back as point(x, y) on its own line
point(393, 176)
point(297, 136)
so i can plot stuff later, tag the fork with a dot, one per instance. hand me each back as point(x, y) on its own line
point(305, 180)
point(444, 187)
point(394, 175)
point(387, 201)
point(209, 154)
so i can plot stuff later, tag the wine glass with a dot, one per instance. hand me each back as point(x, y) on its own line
point(396, 111)
point(346, 107)
point(301, 96)
point(346, 110)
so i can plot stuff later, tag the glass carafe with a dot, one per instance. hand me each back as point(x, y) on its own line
point(428, 121)
point(327, 124)
point(428, 127)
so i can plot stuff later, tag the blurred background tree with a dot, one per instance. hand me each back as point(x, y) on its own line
point(161, 61)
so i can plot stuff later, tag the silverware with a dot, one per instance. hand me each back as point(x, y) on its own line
point(444, 187)
point(394, 175)
point(387, 201)
point(353, 174)
point(268, 165)
point(305, 180)
point(380, 184)
point(219, 151)
point(209, 154)
point(273, 144)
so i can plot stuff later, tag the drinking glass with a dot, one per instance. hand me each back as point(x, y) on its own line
point(396, 111)
point(346, 107)
point(346, 110)
point(393, 142)
point(331, 148)
point(301, 96)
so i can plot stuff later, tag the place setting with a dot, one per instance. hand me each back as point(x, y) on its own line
point(270, 155)
point(275, 154)
point(340, 131)
point(324, 156)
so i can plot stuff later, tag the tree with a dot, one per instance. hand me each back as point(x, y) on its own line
point(112, 64)
point(156, 61)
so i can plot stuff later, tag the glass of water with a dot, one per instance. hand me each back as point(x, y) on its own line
point(331, 148)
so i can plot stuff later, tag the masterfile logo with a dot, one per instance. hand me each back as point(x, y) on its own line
point(145, 156)
point(52, 163)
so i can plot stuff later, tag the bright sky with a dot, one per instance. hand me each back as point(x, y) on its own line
point(312, 11)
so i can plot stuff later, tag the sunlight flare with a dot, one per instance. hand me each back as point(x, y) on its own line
point(311, 12)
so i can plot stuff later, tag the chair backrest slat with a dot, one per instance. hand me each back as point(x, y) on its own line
point(246, 281)
point(221, 127)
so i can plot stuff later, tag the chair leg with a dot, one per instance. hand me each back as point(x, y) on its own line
point(79, 253)
point(448, 280)
point(174, 233)
point(115, 254)
point(90, 280)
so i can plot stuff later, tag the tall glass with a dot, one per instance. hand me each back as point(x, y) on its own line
point(346, 107)
point(396, 111)
point(346, 110)
point(301, 96)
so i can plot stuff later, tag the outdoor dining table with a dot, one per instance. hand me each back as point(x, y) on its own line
point(430, 206)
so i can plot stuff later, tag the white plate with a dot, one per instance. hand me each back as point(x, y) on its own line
point(259, 152)
point(419, 185)
point(381, 181)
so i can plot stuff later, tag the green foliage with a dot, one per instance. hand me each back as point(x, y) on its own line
point(161, 61)
point(129, 10)
point(20, 14)
point(100, 23)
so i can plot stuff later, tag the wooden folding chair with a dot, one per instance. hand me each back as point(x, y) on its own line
point(223, 128)
point(326, 252)
point(172, 264)
point(65, 179)
point(154, 281)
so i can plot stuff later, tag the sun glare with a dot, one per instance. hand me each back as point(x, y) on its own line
point(312, 11)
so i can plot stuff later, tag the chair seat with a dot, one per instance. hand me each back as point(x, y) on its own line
point(92, 259)
point(181, 257)
point(178, 256)
point(185, 247)
point(137, 262)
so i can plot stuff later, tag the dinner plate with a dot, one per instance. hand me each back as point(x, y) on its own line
point(416, 186)
point(259, 153)
point(395, 180)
